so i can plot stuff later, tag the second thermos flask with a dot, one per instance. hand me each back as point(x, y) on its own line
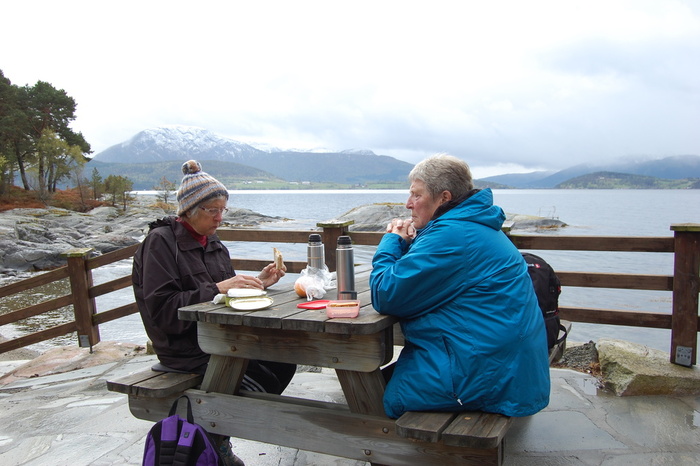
point(345, 268)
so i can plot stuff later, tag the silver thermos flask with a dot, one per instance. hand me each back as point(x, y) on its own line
point(345, 268)
point(315, 256)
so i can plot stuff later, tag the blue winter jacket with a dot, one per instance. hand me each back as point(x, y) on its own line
point(475, 337)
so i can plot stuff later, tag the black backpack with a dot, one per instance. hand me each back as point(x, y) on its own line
point(547, 288)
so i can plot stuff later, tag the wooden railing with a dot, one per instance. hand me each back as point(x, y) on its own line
point(683, 320)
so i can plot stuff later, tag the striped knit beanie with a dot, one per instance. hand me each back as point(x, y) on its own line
point(197, 187)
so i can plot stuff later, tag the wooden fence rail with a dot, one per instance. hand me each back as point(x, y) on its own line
point(682, 320)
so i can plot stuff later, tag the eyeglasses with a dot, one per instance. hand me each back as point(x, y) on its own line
point(214, 211)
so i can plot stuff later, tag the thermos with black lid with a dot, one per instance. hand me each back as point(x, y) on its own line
point(345, 268)
point(315, 255)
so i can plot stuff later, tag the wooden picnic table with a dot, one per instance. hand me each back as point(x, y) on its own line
point(355, 348)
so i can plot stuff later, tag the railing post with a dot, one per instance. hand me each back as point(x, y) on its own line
point(83, 306)
point(686, 286)
point(331, 232)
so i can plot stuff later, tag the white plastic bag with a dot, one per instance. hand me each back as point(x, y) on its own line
point(314, 282)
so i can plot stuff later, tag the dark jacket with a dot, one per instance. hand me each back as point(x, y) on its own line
point(172, 270)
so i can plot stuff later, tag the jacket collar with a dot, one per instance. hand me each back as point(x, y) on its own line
point(184, 239)
point(449, 205)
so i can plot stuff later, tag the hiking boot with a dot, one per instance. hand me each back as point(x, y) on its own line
point(226, 454)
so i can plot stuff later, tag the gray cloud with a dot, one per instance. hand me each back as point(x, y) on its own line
point(529, 85)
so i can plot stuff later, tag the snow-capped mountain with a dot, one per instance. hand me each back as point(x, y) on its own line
point(175, 144)
point(265, 147)
point(172, 142)
point(358, 152)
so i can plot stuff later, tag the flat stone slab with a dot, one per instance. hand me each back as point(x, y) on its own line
point(634, 369)
point(71, 360)
point(580, 433)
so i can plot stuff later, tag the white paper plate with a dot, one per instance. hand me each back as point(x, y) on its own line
point(250, 304)
point(245, 292)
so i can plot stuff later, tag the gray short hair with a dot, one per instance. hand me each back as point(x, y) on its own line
point(443, 172)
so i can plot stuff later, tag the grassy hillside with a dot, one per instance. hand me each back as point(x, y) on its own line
point(147, 175)
point(613, 180)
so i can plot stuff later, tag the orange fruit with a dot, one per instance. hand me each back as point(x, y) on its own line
point(300, 288)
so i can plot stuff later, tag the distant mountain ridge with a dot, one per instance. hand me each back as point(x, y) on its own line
point(180, 143)
point(676, 167)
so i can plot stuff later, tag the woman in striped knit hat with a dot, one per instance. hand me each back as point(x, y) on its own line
point(182, 262)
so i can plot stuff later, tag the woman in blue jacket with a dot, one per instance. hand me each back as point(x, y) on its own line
point(475, 337)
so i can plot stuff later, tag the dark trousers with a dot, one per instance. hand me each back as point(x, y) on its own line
point(271, 377)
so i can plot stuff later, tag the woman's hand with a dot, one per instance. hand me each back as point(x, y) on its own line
point(403, 228)
point(270, 275)
point(240, 281)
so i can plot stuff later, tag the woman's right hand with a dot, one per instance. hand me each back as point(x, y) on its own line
point(240, 281)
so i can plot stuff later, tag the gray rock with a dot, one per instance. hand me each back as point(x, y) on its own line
point(112, 242)
point(533, 222)
point(246, 218)
point(26, 255)
point(634, 369)
point(374, 217)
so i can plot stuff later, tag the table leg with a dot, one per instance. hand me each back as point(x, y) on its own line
point(224, 374)
point(363, 391)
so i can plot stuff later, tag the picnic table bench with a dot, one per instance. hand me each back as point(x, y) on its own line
point(355, 348)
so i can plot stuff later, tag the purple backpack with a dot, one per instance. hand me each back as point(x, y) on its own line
point(178, 441)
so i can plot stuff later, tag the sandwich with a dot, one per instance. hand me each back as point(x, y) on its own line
point(279, 260)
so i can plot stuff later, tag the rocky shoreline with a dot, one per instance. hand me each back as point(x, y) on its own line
point(35, 239)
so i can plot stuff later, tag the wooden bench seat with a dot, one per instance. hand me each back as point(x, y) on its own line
point(468, 438)
point(466, 429)
point(152, 384)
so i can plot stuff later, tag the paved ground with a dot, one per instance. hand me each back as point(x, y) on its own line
point(71, 419)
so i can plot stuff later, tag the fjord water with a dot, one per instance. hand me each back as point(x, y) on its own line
point(586, 212)
point(595, 212)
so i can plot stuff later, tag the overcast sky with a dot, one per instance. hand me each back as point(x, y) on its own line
point(506, 85)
